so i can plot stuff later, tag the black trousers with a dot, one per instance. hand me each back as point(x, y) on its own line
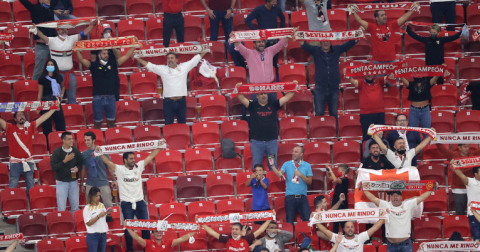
point(59, 120)
point(170, 22)
point(445, 10)
point(367, 119)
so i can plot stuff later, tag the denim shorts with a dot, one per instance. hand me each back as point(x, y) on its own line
point(101, 104)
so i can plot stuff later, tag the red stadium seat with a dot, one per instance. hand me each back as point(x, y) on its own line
point(436, 203)
point(81, 140)
point(444, 96)
point(442, 121)
point(110, 8)
point(115, 226)
point(5, 12)
point(199, 244)
point(21, 39)
point(128, 113)
point(200, 208)
point(279, 203)
point(213, 107)
point(5, 92)
point(236, 130)
point(300, 105)
point(230, 206)
point(220, 186)
point(363, 48)
point(239, 22)
point(473, 14)
point(55, 140)
point(300, 19)
point(144, 84)
point(369, 248)
point(432, 155)
point(14, 201)
point(25, 90)
point(152, 110)
point(227, 164)
point(28, 64)
point(178, 212)
point(42, 199)
point(428, 228)
point(139, 8)
point(4, 151)
point(76, 244)
point(349, 126)
point(424, 15)
point(224, 229)
point(147, 133)
point(80, 226)
point(303, 228)
point(218, 52)
point(39, 145)
point(285, 152)
point(456, 223)
point(391, 98)
point(206, 134)
point(346, 152)
point(242, 189)
point(50, 245)
point(337, 19)
point(192, 5)
point(190, 188)
point(20, 13)
point(432, 172)
point(351, 100)
point(193, 28)
point(118, 135)
point(84, 88)
point(60, 223)
point(84, 8)
point(4, 175)
point(468, 68)
point(317, 154)
point(293, 129)
point(129, 64)
point(177, 136)
point(322, 127)
point(318, 181)
point(277, 185)
point(32, 226)
point(155, 29)
point(235, 75)
point(293, 72)
point(74, 118)
point(234, 106)
point(413, 46)
point(169, 163)
point(47, 176)
point(467, 121)
point(160, 190)
point(296, 54)
point(192, 110)
point(11, 65)
point(158, 6)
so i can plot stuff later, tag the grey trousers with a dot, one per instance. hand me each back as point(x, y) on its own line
point(460, 203)
point(42, 52)
point(105, 193)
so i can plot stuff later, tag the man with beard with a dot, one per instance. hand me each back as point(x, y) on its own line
point(375, 160)
point(366, 147)
point(398, 227)
point(350, 242)
point(157, 243)
point(19, 138)
point(174, 79)
point(130, 188)
point(104, 79)
point(274, 239)
point(321, 204)
point(401, 158)
point(411, 138)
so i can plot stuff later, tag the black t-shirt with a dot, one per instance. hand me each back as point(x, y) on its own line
point(47, 85)
point(381, 164)
point(474, 87)
point(263, 120)
point(339, 189)
point(104, 77)
point(419, 93)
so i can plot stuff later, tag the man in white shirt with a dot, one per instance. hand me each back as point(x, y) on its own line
point(61, 51)
point(401, 157)
point(473, 194)
point(399, 223)
point(411, 138)
point(129, 179)
point(351, 242)
point(174, 79)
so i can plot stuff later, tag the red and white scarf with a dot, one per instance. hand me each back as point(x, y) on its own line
point(348, 215)
point(377, 128)
point(466, 162)
point(452, 138)
point(474, 205)
point(29, 106)
point(264, 34)
point(6, 240)
point(476, 35)
point(109, 43)
point(6, 36)
point(372, 69)
point(158, 225)
point(422, 71)
point(191, 49)
point(329, 35)
point(399, 185)
point(65, 24)
point(235, 217)
point(137, 146)
point(354, 8)
point(450, 246)
point(255, 88)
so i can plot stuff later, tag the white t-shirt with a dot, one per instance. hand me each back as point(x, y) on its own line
point(130, 182)
point(397, 160)
point(473, 192)
point(174, 80)
point(351, 245)
point(271, 245)
point(400, 218)
point(61, 51)
point(90, 212)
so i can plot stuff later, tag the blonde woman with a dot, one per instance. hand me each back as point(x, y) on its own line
point(94, 215)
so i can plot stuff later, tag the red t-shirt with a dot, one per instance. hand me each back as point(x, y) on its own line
point(240, 245)
point(153, 246)
point(371, 97)
point(383, 40)
point(172, 6)
point(25, 135)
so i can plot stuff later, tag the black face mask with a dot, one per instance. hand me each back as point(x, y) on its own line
point(369, 81)
point(434, 36)
point(401, 152)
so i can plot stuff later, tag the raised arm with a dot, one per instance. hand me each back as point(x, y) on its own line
point(379, 141)
point(45, 116)
point(110, 165)
point(3, 124)
point(242, 98)
point(40, 34)
point(433, 80)
point(210, 231)
point(87, 30)
point(372, 198)
point(125, 57)
point(28, 5)
point(424, 143)
point(406, 16)
point(415, 36)
point(137, 238)
point(12, 246)
point(452, 38)
point(359, 20)
point(286, 98)
point(277, 172)
point(151, 156)
point(324, 230)
point(337, 243)
point(332, 176)
point(339, 202)
point(405, 82)
point(116, 52)
point(459, 173)
point(424, 196)
point(375, 227)
point(85, 63)
point(249, 180)
point(184, 238)
point(262, 228)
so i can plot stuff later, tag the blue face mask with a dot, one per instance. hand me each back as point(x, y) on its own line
point(46, 6)
point(50, 69)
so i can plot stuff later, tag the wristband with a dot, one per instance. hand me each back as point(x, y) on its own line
point(82, 34)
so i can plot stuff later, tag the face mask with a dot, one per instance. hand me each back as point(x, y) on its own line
point(46, 6)
point(103, 62)
point(106, 35)
point(62, 37)
point(339, 174)
point(433, 36)
point(401, 152)
point(50, 69)
point(272, 235)
point(369, 81)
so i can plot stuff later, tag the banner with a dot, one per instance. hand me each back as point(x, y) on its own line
point(458, 138)
point(329, 35)
point(66, 23)
point(372, 69)
point(29, 106)
point(192, 49)
point(476, 35)
point(254, 88)
point(6, 36)
point(348, 215)
point(265, 34)
point(235, 217)
point(158, 225)
point(406, 174)
point(422, 71)
point(430, 24)
point(467, 162)
point(398, 185)
point(6, 240)
point(109, 43)
point(475, 205)
point(138, 146)
point(377, 128)
point(450, 246)
point(354, 8)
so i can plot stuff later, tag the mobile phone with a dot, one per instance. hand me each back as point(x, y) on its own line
point(271, 156)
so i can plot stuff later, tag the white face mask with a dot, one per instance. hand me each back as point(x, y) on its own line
point(106, 35)
point(272, 235)
point(62, 37)
point(103, 62)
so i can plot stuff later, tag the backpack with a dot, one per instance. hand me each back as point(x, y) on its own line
point(306, 241)
point(228, 148)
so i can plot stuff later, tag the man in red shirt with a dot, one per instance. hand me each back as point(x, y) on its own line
point(19, 137)
point(173, 19)
point(383, 34)
point(157, 244)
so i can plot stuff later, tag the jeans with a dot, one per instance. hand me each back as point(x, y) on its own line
point(42, 53)
point(282, 4)
point(16, 169)
point(141, 212)
point(420, 116)
point(367, 119)
point(460, 200)
point(58, 117)
point(261, 148)
point(175, 108)
point(215, 23)
point(97, 242)
point(68, 16)
point(405, 246)
point(292, 205)
point(68, 190)
point(238, 59)
point(445, 10)
point(105, 193)
point(475, 227)
point(72, 90)
point(170, 22)
point(101, 104)
point(327, 95)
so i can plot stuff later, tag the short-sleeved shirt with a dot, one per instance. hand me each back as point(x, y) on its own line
point(339, 189)
point(383, 40)
point(317, 19)
point(104, 77)
point(25, 135)
point(419, 93)
point(102, 176)
point(153, 246)
point(259, 194)
point(90, 212)
point(473, 192)
point(47, 85)
point(351, 245)
point(397, 160)
point(371, 97)
point(240, 245)
point(381, 164)
point(319, 243)
point(263, 120)
point(61, 51)
point(130, 182)
point(294, 188)
point(400, 218)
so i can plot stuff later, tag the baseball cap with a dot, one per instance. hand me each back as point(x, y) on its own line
point(397, 192)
